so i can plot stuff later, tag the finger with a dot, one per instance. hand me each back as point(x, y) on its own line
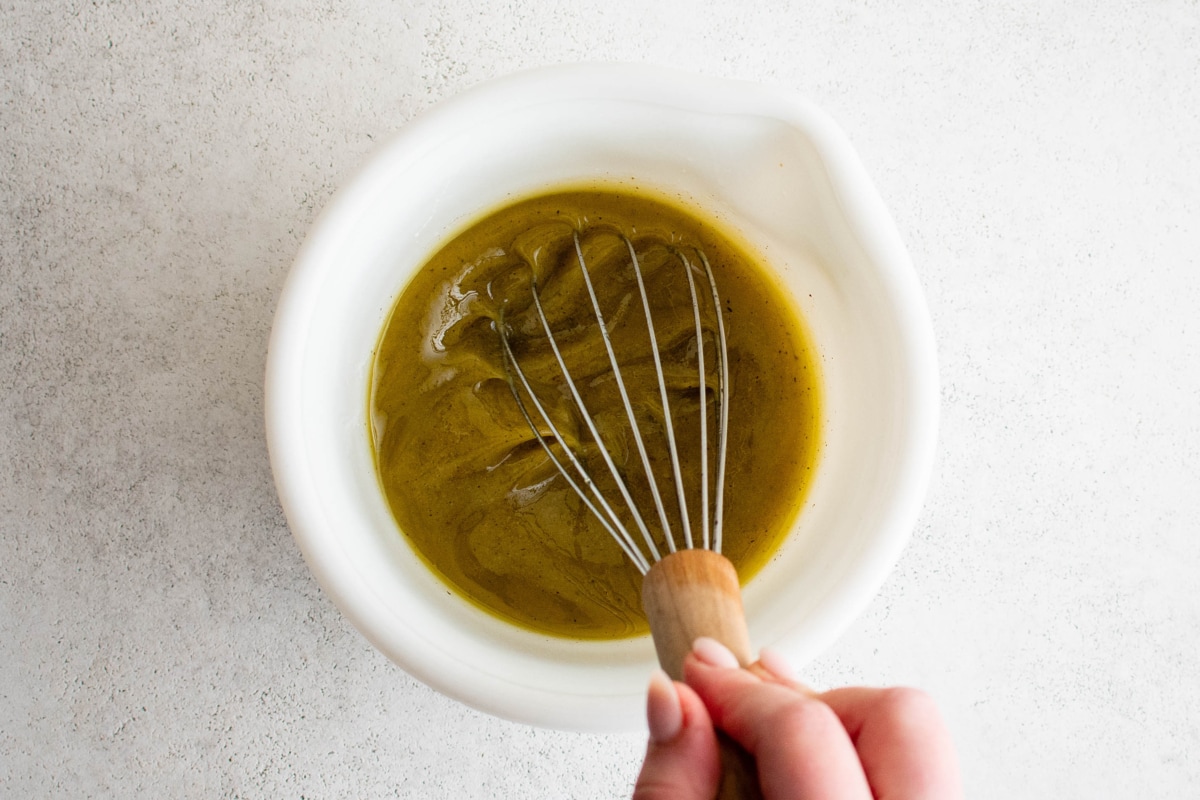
point(800, 745)
point(682, 762)
point(772, 667)
point(904, 746)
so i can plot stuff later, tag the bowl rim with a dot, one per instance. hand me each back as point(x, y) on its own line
point(861, 205)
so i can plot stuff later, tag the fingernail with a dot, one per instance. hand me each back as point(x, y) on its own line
point(714, 654)
point(776, 664)
point(664, 714)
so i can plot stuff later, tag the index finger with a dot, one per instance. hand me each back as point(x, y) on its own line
point(904, 747)
point(800, 745)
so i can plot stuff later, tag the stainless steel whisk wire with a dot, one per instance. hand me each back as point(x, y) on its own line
point(597, 503)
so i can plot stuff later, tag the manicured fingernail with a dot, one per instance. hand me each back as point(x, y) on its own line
point(664, 714)
point(776, 664)
point(713, 653)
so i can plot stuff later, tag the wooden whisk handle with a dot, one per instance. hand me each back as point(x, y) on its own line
point(693, 593)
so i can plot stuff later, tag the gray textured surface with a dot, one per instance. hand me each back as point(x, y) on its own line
point(159, 165)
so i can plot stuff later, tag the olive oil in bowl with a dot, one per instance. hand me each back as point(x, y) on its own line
point(465, 478)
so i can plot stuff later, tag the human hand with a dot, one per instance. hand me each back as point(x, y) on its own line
point(846, 744)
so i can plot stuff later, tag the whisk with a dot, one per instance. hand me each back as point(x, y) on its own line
point(689, 588)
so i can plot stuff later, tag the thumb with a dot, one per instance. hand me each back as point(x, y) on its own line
point(681, 759)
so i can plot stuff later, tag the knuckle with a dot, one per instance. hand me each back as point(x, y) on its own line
point(907, 707)
point(806, 717)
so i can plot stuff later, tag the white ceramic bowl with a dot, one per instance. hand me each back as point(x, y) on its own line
point(775, 171)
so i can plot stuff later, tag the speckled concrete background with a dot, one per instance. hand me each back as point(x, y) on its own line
point(161, 161)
